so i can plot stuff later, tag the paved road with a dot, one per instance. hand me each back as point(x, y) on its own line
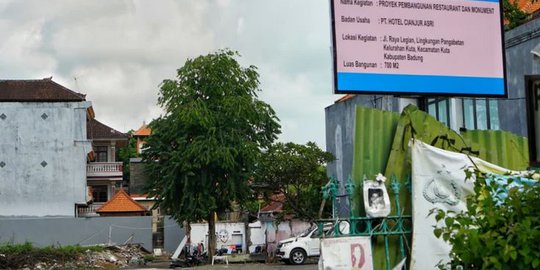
point(258, 266)
point(237, 266)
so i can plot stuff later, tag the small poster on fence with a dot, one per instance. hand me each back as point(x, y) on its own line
point(342, 253)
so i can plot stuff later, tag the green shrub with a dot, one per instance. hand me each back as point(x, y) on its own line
point(149, 258)
point(500, 230)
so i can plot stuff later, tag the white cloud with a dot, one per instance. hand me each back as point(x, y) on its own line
point(120, 51)
point(240, 26)
point(224, 3)
point(21, 51)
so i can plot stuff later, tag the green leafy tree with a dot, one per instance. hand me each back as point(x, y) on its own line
point(203, 149)
point(499, 230)
point(513, 15)
point(298, 172)
point(127, 152)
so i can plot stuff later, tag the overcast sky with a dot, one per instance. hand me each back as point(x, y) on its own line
point(118, 52)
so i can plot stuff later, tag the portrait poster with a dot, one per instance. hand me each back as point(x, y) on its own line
point(342, 253)
point(376, 199)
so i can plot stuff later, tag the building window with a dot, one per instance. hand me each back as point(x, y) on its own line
point(440, 109)
point(480, 113)
point(101, 153)
point(99, 193)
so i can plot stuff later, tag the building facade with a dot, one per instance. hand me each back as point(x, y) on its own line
point(103, 171)
point(141, 134)
point(43, 148)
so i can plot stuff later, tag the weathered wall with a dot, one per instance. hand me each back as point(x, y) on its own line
point(274, 232)
point(43, 149)
point(47, 231)
point(257, 235)
point(519, 62)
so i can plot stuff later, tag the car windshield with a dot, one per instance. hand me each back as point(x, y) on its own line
point(307, 232)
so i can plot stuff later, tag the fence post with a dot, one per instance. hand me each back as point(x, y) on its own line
point(396, 186)
point(350, 186)
point(330, 189)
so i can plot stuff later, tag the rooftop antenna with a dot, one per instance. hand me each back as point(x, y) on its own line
point(76, 83)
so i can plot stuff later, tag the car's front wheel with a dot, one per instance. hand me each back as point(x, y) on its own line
point(298, 256)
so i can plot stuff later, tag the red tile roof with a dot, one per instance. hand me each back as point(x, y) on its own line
point(276, 203)
point(45, 90)
point(144, 130)
point(344, 98)
point(527, 6)
point(121, 202)
point(98, 130)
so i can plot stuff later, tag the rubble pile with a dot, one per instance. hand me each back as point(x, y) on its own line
point(120, 256)
point(108, 257)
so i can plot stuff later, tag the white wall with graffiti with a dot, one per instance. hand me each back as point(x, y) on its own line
point(230, 236)
point(264, 235)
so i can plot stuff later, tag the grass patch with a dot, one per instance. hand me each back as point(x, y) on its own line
point(150, 258)
point(13, 256)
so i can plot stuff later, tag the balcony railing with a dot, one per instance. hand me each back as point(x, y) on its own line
point(88, 210)
point(104, 169)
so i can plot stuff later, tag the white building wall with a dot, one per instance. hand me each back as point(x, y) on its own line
point(43, 149)
point(226, 234)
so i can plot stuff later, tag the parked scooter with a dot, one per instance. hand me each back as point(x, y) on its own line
point(194, 258)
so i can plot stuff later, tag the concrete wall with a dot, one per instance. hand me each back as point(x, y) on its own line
point(520, 61)
point(45, 231)
point(72, 231)
point(173, 234)
point(43, 149)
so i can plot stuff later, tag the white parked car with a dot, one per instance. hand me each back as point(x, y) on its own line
point(296, 250)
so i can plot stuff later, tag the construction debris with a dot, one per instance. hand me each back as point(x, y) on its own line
point(110, 257)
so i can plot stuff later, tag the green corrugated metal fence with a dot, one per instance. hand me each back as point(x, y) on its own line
point(374, 132)
point(381, 145)
point(500, 147)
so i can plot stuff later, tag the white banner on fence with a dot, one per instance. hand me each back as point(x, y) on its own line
point(348, 253)
point(438, 182)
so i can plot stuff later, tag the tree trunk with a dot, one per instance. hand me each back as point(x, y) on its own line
point(211, 236)
point(321, 209)
point(187, 225)
point(247, 233)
